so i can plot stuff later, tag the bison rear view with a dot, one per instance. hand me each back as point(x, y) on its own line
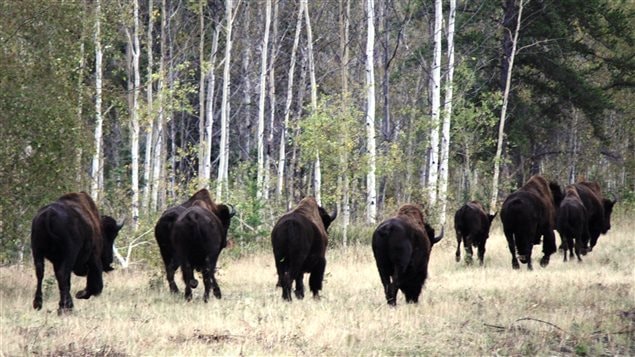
point(74, 237)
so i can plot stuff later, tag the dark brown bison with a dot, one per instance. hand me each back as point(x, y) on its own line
point(472, 225)
point(572, 224)
point(401, 246)
point(299, 239)
point(598, 208)
point(163, 232)
point(72, 235)
point(528, 214)
point(198, 236)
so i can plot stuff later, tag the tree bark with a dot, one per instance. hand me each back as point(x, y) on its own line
point(202, 183)
point(501, 127)
point(435, 87)
point(282, 151)
point(272, 104)
point(221, 185)
point(209, 108)
point(149, 132)
point(159, 148)
point(447, 118)
point(261, 102)
point(97, 166)
point(371, 191)
point(344, 180)
point(317, 171)
point(134, 118)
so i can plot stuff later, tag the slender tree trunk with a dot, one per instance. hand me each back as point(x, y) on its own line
point(202, 182)
point(97, 167)
point(503, 117)
point(272, 104)
point(80, 95)
point(447, 118)
point(159, 148)
point(149, 132)
point(134, 118)
point(261, 102)
point(287, 108)
point(371, 191)
point(209, 124)
point(344, 180)
point(317, 170)
point(435, 86)
point(225, 107)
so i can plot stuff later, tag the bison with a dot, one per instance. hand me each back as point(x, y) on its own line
point(572, 225)
point(72, 235)
point(198, 236)
point(598, 208)
point(472, 225)
point(401, 246)
point(528, 214)
point(299, 239)
point(163, 233)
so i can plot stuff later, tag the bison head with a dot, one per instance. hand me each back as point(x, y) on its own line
point(326, 218)
point(110, 228)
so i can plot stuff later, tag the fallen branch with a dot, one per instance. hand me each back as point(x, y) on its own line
point(532, 319)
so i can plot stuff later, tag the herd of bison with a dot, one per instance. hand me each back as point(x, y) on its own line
point(72, 234)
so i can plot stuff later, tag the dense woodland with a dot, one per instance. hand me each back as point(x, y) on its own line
point(364, 104)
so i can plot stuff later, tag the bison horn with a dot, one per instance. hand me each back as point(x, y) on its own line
point(120, 225)
point(438, 238)
point(232, 210)
point(334, 215)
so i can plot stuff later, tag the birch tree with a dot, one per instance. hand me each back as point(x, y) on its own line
point(225, 107)
point(209, 115)
point(503, 115)
point(149, 130)
point(272, 101)
point(317, 171)
point(287, 107)
point(157, 170)
point(97, 165)
point(447, 118)
point(435, 88)
point(261, 102)
point(344, 25)
point(371, 191)
point(201, 95)
point(134, 117)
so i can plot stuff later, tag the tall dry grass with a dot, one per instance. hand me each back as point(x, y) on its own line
point(564, 309)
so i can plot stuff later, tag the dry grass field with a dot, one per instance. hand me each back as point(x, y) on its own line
point(564, 309)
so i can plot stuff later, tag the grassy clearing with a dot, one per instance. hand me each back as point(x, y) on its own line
point(564, 309)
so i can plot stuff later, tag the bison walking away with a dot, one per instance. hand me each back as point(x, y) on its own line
point(299, 239)
point(472, 225)
point(198, 236)
point(571, 224)
point(598, 208)
point(72, 235)
point(401, 246)
point(528, 214)
point(163, 233)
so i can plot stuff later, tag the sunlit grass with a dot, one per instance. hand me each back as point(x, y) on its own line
point(566, 308)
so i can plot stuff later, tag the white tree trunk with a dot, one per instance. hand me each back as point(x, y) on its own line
point(345, 10)
point(317, 171)
point(371, 191)
point(503, 117)
point(272, 102)
point(97, 166)
point(202, 183)
point(134, 119)
point(287, 107)
point(209, 115)
point(447, 118)
point(149, 131)
point(435, 87)
point(160, 127)
point(225, 107)
point(261, 102)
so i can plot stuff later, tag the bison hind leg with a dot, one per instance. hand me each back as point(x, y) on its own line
point(299, 287)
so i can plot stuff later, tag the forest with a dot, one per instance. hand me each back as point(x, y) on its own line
point(364, 104)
